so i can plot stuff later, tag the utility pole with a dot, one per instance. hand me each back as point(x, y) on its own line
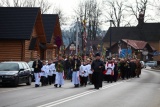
point(77, 37)
point(110, 54)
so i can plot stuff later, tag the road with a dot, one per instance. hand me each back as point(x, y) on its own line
point(135, 92)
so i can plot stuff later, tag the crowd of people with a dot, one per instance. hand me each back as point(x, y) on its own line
point(84, 71)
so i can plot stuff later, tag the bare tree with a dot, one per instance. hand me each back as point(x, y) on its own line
point(115, 11)
point(44, 4)
point(94, 15)
point(5, 3)
point(140, 7)
point(19, 3)
point(156, 5)
point(89, 12)
point(62, 18)
point(1, 3)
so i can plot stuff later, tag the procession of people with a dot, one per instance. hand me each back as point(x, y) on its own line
point(84, 71)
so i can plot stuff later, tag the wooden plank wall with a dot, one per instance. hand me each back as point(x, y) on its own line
point(11, 50)
point(156, 45)
point(29, 54)
point(49, 53)
point(54, 53)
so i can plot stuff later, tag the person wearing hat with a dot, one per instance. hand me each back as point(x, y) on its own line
point(68, 67)
point(97, 67)
point(37, 65)
point(75, 65)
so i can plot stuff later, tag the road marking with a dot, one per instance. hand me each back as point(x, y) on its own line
point(54, 103)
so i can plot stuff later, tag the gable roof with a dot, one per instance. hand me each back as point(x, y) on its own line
point(17, 22)
point(136, 44)
point(49, 22)
point(148, 32)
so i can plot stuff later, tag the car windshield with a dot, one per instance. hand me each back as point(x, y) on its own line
point(150, 62)
point(9, 67)
point(30, 64)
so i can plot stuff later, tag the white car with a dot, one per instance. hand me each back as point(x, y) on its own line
point(151, 63)
point(142, 64)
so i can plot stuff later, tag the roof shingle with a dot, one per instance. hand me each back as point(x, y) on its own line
point(49, 22)
point(17, 22)
point(148, 32)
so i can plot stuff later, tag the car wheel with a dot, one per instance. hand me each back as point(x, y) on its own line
point(29, 80)
point(15, 84)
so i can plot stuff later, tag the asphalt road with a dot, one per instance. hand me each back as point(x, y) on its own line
point(135, 92)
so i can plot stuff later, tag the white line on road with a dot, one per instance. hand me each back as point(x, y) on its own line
point(54, 103)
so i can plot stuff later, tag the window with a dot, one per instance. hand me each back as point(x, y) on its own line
point(25, 67)
point(21, 66)
point(9, 67)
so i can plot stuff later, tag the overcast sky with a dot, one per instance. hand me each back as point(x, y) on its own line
point(68, 6)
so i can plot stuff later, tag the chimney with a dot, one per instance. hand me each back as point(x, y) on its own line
point(141, 18)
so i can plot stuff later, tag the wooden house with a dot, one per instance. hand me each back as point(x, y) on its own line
point(53, 34)
point(148, 32)
point(126, 48)
point(22, 34)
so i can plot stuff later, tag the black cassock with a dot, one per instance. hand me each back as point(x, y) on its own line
point(97, 76)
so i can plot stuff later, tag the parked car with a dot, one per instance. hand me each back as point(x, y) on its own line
point(14, 73)
point(30, 63)
point(142, 64)
point(151, 63)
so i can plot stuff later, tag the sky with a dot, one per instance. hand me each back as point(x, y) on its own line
point(68, 7)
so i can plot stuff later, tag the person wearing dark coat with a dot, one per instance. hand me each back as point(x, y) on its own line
point(115, 77)
point(133, 68)
point(68, 68)
point(37, 65)
point(75, 65)
point(138, 69)
point(97, 67)
point(122, 68)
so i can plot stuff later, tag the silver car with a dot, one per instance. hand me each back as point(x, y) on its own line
point(151, 63)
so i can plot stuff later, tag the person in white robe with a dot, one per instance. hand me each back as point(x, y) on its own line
point(75, 65)
point(89, 71)
point(59, 81)
point(51, 71)
point(80, 71)
point(44, 73)
point(109, 71)
point(84, 74)
point(54, 70)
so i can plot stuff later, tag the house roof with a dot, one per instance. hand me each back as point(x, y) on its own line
point(148, 32)
point(17, 22)
point(32, 43)
point(49, 22)
point(136, 44)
